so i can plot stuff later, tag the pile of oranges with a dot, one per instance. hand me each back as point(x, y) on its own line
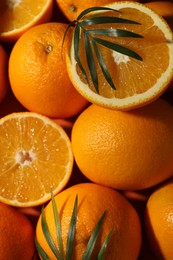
point(55, 137)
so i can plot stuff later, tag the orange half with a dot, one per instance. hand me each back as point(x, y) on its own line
point(137, 82)
point(17, 16)
point(35, 157)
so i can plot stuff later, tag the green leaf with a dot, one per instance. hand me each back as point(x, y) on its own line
point(93, 9)
point(48, 237)
point(65, 33)
point(93, 239)
point(57, 225)
point(113, 33)
point(118, 48)
point(71, 231)
point(105, 20)
point(104, 246)
point(41, 251)
point(90, 61)
point(103, 66)
point(76, 51)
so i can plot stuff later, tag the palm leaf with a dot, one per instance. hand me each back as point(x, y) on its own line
point(93, 9)
point(102, 251)
point(93, 239)
point(105, 20)
point(76, 51)
point(119, 48)
point(103, 66)
point(71, 231)
point(48, 237)
point(41, 251)
point(57, 224)
point(113, 33)
point(90, 61)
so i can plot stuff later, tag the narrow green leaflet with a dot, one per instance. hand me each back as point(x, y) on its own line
point(119, 48)
point(41, 251)
point(104, 20)
point(113, 33)
point(71, 231)
point(93, 9)
point(76, 51)
point(48, 237)
point(93, 239)
point(57, 225)
point(90, 61)
point(65, 33)
point(71, 234)
point(102, 251)
point(103, 66)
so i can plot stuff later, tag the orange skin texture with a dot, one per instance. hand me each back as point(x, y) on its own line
point(17, 234)
point(93, 200)
point(4, 85)
point(71, 9)
point(159, 220)
point(38, 76)
point(125, 150)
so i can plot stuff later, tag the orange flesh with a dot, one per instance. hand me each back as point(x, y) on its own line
point(150, 48)
point(19, 13)
point(34, 157)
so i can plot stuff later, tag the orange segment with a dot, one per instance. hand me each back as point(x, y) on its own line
point(35, 156)
point(17, 16)
point(137, 82)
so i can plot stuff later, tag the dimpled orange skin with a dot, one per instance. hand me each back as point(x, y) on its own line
point(93, 200)
point(159, 221)
point(125, 150)
point(38, 76)
point(17, 235)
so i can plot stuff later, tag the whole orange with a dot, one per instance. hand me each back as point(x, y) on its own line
point(71, 9)
point(16, 235)
point(37, 72)
point(93, 200)
point(159, 221)
point(3, 73)
point(125, 150)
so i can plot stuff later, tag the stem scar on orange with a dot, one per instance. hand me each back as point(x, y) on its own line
point(38, 74)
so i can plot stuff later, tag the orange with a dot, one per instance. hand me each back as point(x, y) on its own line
point(163, 8)
point(93, 200)
point(3, 73)
point(17, 235)
point(71, 9)
point(159, 221)
point(101, 65)
point(35, 156)
point(130, 150)
point(38, 75)
point(18, 16)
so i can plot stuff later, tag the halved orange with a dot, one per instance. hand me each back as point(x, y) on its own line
point(17, 16)
point(35, 157)
point(117, 63)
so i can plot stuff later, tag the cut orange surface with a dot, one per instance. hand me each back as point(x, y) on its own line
point(17, 16)
point(138, 68)
point(35, 157)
